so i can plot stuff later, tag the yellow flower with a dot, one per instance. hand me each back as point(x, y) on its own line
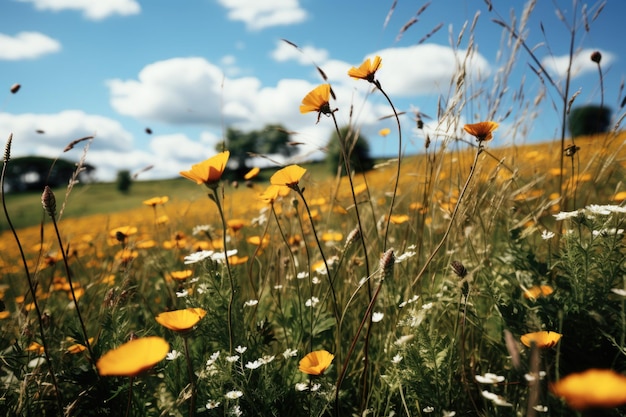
point(315, 363)
point(209, 171)
point(272, 192)
point(181, 320)
point(482, 131)
point(78, 347)
point(367, 70)
point(537, 291)
point(384, 132)
point(181, 275)
point(155, 201)
point(289, 176)
point(318, 100)
point(332, 236)
point(252, 173)
point(35, 347)
point(398, 218)
point(236, 224)
point(133, 357)
point(123, 232)
point(543, 339)
point(594, 388)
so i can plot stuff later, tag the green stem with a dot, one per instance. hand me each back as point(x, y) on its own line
point(231, 300)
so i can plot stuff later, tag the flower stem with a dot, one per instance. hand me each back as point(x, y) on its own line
point(452, 217)
point(231, 300)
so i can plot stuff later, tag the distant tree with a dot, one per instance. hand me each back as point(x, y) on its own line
point(357, 147)
point(32, 173)
point(271, 140)
point(589, 120)
point(123, 181)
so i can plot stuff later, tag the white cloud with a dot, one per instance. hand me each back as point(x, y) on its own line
point(27, 45)
point(259, 15)
point(91, 9)
point(581, 64)
point(178, 90)
point(304, 56)
point(425, 69)
point(59, 129)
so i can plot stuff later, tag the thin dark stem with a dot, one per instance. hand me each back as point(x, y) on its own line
point(231, 300)
point(344, 369)
point(319, 245)
point(453, 216)
point(69, 280)
point(395, 186)
point(129, 402)
point(31, 286)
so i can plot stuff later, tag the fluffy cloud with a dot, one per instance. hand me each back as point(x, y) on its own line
point(425, 69)
point(581, 64)
point(259, 15)
point(57, 130)
point(178, 90)
point(91, 9)
point(26, 45)
point(304, 55)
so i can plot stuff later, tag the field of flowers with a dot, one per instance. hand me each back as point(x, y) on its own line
point(471, 280)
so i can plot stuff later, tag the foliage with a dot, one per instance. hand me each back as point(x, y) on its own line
point(357, 147)
point(124, 181)
point(271, 140)
point(284, 305)
point(30, 173)
point(589, 120)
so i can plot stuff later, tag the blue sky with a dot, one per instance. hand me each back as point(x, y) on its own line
point(189, 69)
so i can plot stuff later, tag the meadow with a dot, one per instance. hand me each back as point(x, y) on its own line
point(470, 280)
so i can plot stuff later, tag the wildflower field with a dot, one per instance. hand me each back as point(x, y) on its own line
point(470, 280)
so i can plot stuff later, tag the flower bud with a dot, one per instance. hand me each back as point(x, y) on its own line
point(596, 57)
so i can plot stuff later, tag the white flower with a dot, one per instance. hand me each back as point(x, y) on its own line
point(266, 359)
point(174, 354)
point(251, 303)
point(290, 353)
point(241, 349)
point(566, 215)
point(254, 365)
point(447, 413)
point(212, 359)
point(198, 256)
point(212, 404)
point(427, 306)
point(598, 209)
point(532, 377)
point(182, 294)
point(496, 399)
point(315, 387)
point(312, 302)
point(302, 275)
point(202, 288)
point(236, 411)
point(428, 409)
point(541, 408)
point(545, 235)
point(619, 291)
point(219, 257)
point(233, 395)
point(406, 255)
point(302, 386)
point(315, 280)
point(489, 378)
point(411, 300)
point(377, 316)
point(232, 359)
point(396, 359)
point(38, 361)
point(201, 228)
